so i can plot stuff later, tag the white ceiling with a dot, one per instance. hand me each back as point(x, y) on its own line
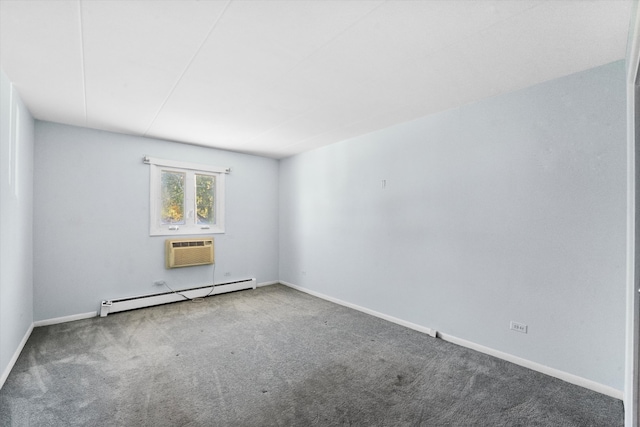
point(276, 78)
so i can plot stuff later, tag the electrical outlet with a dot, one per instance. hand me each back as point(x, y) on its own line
point(159, 282)
point(518, 327)
point(227, 274)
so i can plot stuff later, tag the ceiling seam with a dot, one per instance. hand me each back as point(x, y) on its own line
point(448, 46)
point(186, 68)
point(302, 61)
point(82, 63)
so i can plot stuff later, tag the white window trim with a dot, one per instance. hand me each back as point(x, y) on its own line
point(156, 166)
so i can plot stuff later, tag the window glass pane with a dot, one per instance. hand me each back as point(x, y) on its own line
point(172, 193)
point(205, 199)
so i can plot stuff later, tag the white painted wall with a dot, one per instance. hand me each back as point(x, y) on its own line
point(16, 221)
point(92, 219)
point(513, 208)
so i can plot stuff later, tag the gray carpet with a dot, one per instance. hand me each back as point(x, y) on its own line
point(275, 357)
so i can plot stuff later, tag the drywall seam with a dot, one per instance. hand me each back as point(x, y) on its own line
point(556, 373)
point(14, 359)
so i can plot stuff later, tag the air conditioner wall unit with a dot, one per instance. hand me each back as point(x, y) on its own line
point(188, 252)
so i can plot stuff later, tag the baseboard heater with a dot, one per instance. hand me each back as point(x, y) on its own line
point(123, 304)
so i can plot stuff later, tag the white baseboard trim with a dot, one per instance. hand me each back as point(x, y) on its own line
point(392, 319)
point(14, 359)
point(275, 282)
point(534, 366)
point(65, 319)
point(552, 372)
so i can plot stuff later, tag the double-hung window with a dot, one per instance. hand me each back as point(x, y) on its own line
point(185, 198)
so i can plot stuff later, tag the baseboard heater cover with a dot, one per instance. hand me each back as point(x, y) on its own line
point(132, 303)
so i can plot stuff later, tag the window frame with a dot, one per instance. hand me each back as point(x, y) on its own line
point(191, 226)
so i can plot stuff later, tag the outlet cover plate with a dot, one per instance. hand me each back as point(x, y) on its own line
point(518, 327)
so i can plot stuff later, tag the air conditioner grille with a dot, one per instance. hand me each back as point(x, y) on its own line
point(190, 243)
